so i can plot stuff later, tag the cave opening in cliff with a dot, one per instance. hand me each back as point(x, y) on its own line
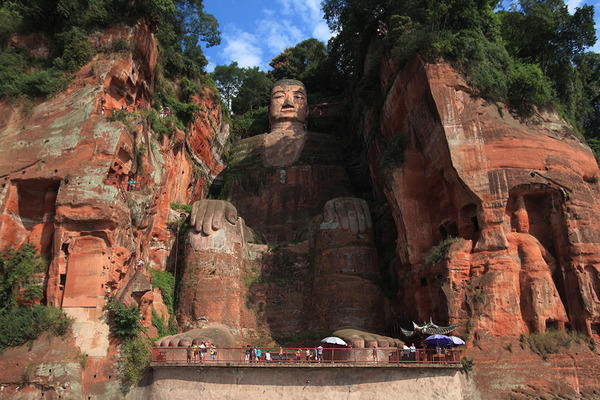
point(469, 223)
point(36, 208)
point(551, 324)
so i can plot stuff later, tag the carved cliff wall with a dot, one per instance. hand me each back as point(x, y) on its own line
point(520, 196)
point(94, 194)
point(93, 191)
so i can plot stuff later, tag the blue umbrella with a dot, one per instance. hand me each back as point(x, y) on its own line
point(438, 340)
point(456, 341)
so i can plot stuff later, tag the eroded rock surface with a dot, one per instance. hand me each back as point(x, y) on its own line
point(520, 195)
point(94, 195)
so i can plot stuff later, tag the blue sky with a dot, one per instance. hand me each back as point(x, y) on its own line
point(253, 32)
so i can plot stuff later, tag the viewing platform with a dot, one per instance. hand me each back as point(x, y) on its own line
point(342, 373)
point(329, 358)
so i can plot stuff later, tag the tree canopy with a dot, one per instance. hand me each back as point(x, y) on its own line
point(545, 34)
point(229, 79)
point(298, 62)
point(254, 91)
point(182, 25)
point(534, 54)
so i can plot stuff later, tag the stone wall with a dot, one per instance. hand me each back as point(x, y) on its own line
point(287, 382)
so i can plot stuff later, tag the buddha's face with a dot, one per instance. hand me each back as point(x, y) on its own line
point(288, 103)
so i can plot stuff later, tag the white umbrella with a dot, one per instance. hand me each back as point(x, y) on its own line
point(334, 340)
point(456, 341)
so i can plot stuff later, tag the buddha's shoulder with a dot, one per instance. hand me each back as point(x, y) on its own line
point(324, 139)
point(253, 145)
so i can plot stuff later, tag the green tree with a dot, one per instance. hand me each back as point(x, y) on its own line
point(183, 24)
point(588, 103)
point(135, 358)
point(299, 61)
point(125, 321)
point(78, 50)
point(20, 324)
point(544, 33)
point(17, 268)
point(229, 79)
point(310, 62)
point(10, 20)
point(254, 91)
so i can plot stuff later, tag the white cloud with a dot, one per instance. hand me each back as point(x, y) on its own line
point(244, 48)
point(268, 12)
point(322, 32)
point(572, 4)
point(308, 10)
point(210, 67)
point(282, 24)
point(279, 35)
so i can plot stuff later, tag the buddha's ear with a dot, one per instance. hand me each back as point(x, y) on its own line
point(269, 115)
point(306, 112)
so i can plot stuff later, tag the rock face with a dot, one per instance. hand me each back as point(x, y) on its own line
point(522, 198)
point(93, 194)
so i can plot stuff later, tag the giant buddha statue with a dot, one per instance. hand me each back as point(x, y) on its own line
point(286, 186)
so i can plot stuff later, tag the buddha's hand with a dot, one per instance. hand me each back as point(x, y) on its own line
point(351, 213)
point(208, 216)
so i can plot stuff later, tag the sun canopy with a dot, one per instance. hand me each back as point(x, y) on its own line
point(334, 340)
point(438, 340)
point(456, 341)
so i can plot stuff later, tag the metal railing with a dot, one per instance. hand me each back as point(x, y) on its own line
point(187, 355)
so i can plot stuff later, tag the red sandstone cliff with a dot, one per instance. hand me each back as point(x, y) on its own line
point(522, 196)
point(64, 171)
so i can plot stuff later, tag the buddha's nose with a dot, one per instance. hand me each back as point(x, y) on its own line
point(288, 101)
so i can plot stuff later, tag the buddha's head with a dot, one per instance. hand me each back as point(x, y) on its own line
point(288, 108)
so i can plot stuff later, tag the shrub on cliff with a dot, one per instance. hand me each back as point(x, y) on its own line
point(17, 269)
point(124, 321)
point(393, 154)
point(165, 282)
point(135, 358)
point(550, 342)
point(22, 324)
point(78, 50)
point(251, 123)
point(17, 77)
point(437, 253)
point(553, 341)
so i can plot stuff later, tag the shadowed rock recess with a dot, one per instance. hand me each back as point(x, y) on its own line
point(511, 207)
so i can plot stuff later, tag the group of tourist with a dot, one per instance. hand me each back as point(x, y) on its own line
point(311, 355)
point(255, 354)
point(164, 112)
point(197, 352)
